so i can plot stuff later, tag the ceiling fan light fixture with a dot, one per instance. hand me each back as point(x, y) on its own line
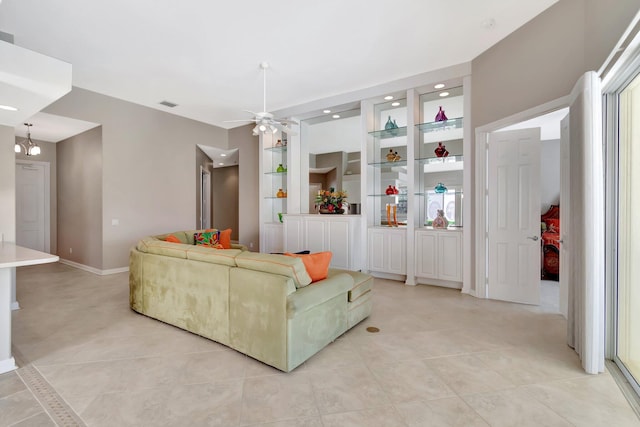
point(30, 148)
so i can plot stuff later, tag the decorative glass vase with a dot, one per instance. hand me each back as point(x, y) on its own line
point(441, 150)
point(441, 116)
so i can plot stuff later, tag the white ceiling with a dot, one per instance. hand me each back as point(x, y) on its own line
point(221, 158)
point(549, 124)
point(204, 55)
point(52, 128)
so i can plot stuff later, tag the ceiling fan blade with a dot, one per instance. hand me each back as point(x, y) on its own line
point(241, 120)
point(287, 121)
point(251, 112)
point(284, 128)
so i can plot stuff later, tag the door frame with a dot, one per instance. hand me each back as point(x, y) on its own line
point(205, 209)
point(481, 167)
point(47, 198)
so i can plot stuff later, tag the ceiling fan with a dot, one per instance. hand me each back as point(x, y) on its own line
point(264, 120)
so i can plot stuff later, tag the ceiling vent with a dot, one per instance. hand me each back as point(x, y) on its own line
point(168, 104)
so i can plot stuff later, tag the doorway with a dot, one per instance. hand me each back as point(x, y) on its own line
point(33, 226)
point(544, 280)
point(552, 155)
point(205, 198)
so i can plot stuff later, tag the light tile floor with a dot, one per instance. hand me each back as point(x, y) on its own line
point(440, 359)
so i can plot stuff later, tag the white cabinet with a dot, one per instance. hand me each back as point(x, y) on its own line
point(387, 250)
point(338, 234)
point(439, 255)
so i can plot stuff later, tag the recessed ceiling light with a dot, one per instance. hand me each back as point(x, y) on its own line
point(336, 116)
point(326, 111)
point(221, 164)
point(443, 94)
point(223, 155)
point(388, 97)
point(8, 108)
point(395, 104)
point(488, 24)
point(439, 86)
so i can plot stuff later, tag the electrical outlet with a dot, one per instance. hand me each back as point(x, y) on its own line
point(251, 245)
point(70, 250)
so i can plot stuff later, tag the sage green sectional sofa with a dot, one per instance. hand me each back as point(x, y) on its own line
point(263, 305)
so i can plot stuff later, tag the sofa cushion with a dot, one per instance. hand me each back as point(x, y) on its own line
point(180, 235)
point(317, 264)
point(317, 293)
point(276, 264)
point(173, 239)
point(212, 255)
point(225, 238)
point(209, 238)
point(361, 282)
point(160, 247)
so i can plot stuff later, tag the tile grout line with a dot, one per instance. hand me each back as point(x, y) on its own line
point(52, 403)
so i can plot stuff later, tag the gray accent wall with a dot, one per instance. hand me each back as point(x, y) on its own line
point(248, 184)
point(225, 199)
point(147, 169)
point(48, 154)
point(80, 199)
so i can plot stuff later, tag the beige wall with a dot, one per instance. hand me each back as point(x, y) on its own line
point(248, 184)
point(7, 184)
point(48, 155)
point(147, 175)
point(541, 62)
point(225, 199)
point(80, 198)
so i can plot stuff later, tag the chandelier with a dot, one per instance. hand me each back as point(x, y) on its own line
point(30, 148)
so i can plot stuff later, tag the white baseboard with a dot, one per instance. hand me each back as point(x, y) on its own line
point(7, 365)
point(15, 305)
point(93, 269)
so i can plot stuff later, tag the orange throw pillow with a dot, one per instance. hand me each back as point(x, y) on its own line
point(225, 238)
point(171, 238)
point(317, 265)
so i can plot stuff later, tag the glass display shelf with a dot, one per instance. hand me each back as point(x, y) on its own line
point(432, 192)
point(400, 195)
point(275, 173)
point(389, 133)
point(275, 198)
point(440, 160)
point(440, 126)
point(400, 163)
point(280, 149)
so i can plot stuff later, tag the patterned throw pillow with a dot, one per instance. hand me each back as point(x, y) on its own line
point(207, 238)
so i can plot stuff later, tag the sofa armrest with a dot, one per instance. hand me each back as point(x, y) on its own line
point(317, 293)
point(238, 246)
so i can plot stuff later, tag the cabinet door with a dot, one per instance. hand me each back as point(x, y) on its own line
point(273, 238)
point(450, 256)
point(339, 243)
point(317, 234)
point(293, 234)
point(396, 252)
point(427, 255)
point(377, 251)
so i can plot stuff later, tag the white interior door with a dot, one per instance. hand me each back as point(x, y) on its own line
point(565, 216)
point(585, 237)
point(30, 206)
point(514, 216)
